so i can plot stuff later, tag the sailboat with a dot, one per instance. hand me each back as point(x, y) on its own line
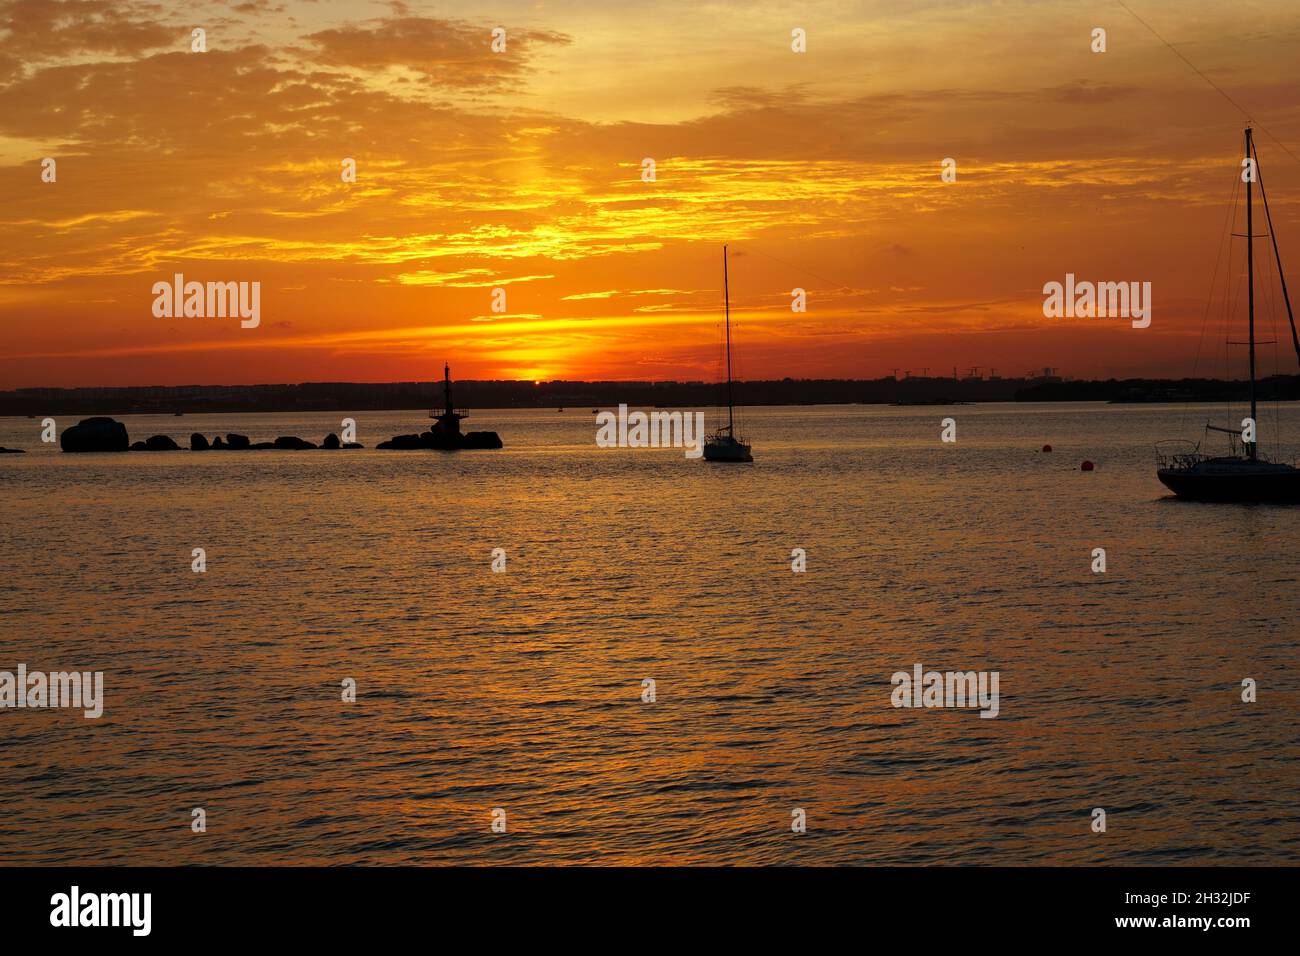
point(1235, 477)
point(724, 444)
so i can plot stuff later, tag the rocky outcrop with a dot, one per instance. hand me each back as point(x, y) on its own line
point(482, 440)
point(442, 441)
point(106, 434)
point(11, 451)
point(401, 443)
point(95, 434)
point(292, 443)
point(156, 443)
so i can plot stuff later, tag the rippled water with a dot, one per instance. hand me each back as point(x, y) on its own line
point(522, 690)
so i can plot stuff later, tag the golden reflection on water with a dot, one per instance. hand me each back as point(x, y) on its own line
point(523, 690)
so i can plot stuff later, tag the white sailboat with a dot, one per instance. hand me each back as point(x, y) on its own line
point(1236, 477)
point(724, 444)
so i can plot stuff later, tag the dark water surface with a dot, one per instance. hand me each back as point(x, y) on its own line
point(522, 690)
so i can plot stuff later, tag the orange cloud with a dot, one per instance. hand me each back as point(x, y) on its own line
point(478, 171)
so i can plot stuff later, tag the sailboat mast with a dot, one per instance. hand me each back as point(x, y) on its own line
point(726, 303)
point(1250, 295)
point(1277, 256)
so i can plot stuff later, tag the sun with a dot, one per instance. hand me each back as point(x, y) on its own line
point(530, 373)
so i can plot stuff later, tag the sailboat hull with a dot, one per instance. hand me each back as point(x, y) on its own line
point(726, 449)
point(1243, 483)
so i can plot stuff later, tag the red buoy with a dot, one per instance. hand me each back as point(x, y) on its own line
point(1086, 466)
point(1047, 448)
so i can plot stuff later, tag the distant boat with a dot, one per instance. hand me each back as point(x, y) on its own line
point(1234, 477)
point(559, 409)
point(725, 444)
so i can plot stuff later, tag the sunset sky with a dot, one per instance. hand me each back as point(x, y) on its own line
point(522, 170)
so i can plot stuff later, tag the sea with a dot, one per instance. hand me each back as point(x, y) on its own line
point(557, 653)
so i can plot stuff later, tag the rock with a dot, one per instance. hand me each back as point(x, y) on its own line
point(401, 442)
point(293, 443)
point(238, 441)
point(198, 442)
point(11, 451)
point(353, 444)
point(156, 443)
point(441, 441)
point(482, 440)
point(217, 443)
point(95, 434)
point(331, 441)
point(263, 445)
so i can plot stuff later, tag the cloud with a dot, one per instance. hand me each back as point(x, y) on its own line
point(225, 165)
point(49, 28)
point(1088, 92)
point(611, 293)
point(447, 52)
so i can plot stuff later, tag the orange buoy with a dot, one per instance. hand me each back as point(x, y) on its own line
point(1086, 466)
point(1047, 448)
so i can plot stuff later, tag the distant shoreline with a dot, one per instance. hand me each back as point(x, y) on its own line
point(402, 396)
point(482, 410)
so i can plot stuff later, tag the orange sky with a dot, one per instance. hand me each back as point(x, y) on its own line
point(478, 170)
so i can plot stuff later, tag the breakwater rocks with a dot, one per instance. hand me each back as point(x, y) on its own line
point(441, 441)
point(95, 434)
point(234, 442)
point(11, 451)
point(107, 434)
point(156, 443)
point(286, 442)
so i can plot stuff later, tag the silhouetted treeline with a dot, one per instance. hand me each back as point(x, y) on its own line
point(1273, 388)
point(361, 396)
